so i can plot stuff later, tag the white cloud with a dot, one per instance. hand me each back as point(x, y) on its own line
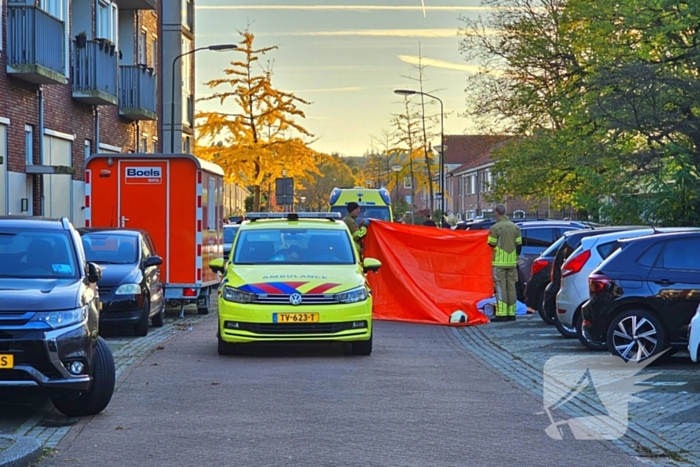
point(344, 7)
point(431, 62)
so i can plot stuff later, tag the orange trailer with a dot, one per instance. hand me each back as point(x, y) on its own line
point(178, 199)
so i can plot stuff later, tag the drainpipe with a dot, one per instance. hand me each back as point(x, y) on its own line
point(97, 128)
point(41, 151)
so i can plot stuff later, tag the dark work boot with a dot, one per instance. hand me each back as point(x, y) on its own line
point(511, 318)
point(499, 319)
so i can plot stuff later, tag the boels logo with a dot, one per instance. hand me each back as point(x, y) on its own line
point(143, 175)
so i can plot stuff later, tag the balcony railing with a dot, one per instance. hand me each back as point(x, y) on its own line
point(95, 72)
point(137, 92)
point(35, 45)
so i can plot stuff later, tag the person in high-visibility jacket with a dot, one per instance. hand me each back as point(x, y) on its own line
point(356, 232)
point(506, 240)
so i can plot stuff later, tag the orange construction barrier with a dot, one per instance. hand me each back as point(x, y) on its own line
point(428, 273)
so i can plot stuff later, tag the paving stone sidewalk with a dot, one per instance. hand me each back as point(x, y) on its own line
point(665, 429)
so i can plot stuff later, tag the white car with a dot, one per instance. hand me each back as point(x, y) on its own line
point(694, 336)
point(573, 292)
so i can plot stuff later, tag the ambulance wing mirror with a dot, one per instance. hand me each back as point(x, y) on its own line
point(371, 265)
point(217, 265)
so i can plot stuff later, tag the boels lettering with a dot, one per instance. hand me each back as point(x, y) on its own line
point(146, 172)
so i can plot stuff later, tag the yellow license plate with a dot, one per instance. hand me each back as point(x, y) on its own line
point(295, 318)
point(7, 362)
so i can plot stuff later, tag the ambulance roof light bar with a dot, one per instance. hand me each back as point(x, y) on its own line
point(293, 216)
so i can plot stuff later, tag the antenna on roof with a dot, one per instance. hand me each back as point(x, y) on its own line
point(653, 227)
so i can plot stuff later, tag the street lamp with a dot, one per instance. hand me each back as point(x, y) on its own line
point(397, 168)
point(410, 92)
point(217, 48)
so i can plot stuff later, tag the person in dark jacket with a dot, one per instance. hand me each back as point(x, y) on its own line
point(429, 222)
point(350, 220)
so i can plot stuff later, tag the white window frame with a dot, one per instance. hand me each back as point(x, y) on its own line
point(154, 145)
point(143, 143)
point(29, 144)
point(143, 47)
point(154, 51)
point(107, 17)
point(88, 148)
point(407, 181)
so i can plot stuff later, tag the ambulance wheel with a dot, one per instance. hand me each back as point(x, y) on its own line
point(362, 347)
point(226, 348)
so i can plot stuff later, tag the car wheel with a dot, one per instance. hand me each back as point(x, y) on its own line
point(141, 328)
point(566, 331)
point(159, 320)
point(541, 309)
point(636, 335)
point(362, 347)
point(227, 348)
point(97, 398)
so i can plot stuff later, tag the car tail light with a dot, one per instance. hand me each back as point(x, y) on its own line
point(598, 283)
point(538, 265)
point(575, 264)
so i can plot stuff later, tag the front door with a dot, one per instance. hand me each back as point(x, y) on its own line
point(144, 202)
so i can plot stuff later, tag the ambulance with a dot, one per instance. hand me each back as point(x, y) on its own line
point(178, 199)
point(374, 203)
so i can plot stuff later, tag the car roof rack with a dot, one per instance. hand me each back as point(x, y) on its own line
point(293, 216)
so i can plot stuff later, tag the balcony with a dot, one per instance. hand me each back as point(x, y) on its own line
point(138, 4)
point(95, 72)
point(35, 45)
point(137, 93)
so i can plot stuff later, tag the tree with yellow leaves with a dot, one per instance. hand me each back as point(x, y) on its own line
point(256, 143)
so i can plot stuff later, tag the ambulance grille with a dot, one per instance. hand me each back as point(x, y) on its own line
point(307, 299)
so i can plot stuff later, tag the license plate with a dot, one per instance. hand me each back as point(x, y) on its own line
point(295, 318)
point(7, 362)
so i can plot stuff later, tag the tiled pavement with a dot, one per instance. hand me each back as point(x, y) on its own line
point(665, 429)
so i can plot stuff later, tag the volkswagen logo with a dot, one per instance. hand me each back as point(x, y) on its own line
point(295, 299)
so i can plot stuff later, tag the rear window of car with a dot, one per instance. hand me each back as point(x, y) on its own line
point(648, 258)
point(540, 237)
point(606, 249)
point(552, 250)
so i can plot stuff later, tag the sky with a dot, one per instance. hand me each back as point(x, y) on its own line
point(346, 57)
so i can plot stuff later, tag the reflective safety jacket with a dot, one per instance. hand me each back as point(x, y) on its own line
point(506, 240)
point(356, 232)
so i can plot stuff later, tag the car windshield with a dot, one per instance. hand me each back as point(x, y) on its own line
point(369, 212)
point(293, 246)
point(230, 234)
point(104, 248)
point(37, 254)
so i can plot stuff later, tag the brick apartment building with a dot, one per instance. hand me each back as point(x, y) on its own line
point(84, 76)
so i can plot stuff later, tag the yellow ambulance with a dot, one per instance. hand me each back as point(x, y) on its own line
point(374, 203)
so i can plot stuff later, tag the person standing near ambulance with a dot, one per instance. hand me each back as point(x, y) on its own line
point(350, 220)
point(506, 240)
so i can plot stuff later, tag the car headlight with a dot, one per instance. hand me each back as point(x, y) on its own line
point(232, 294)
point(60, 319)
point(128, 289)
point(352, 296)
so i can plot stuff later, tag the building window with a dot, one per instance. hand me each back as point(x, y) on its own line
point(154, 52)
point(88, 148)
point(407, 182)
point(1, 35)
point(143, 47)
point(52, 7)
point(29, 144)
point(143, 146)
point(486, 181)
point(187, 14)
point(471, 184)
point(154, 145)
point(107, 18)
point(186, 145)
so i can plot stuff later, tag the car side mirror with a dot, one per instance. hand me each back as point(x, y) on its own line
point(94, 273)
point(152, 261)
point(217, 265)
point(371, 265)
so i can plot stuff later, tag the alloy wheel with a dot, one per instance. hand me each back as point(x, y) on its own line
point(635, 338)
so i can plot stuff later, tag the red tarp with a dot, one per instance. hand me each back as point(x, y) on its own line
point(428, 273)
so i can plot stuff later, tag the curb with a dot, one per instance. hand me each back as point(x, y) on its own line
point(19, 451)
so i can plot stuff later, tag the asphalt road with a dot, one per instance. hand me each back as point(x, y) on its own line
point(421, 399)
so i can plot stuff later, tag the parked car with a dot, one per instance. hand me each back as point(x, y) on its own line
point(540, 276)
point(229, 235)
point(49, 316)
point(644, 295)
point(130, 288)
point(694, 336)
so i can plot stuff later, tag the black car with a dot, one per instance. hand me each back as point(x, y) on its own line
point(130, 288)
point(49, 316)
point(644, 295)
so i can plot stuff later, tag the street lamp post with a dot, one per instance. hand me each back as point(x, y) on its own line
point(218, 48)
point(410, 92)
point(397, 168)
